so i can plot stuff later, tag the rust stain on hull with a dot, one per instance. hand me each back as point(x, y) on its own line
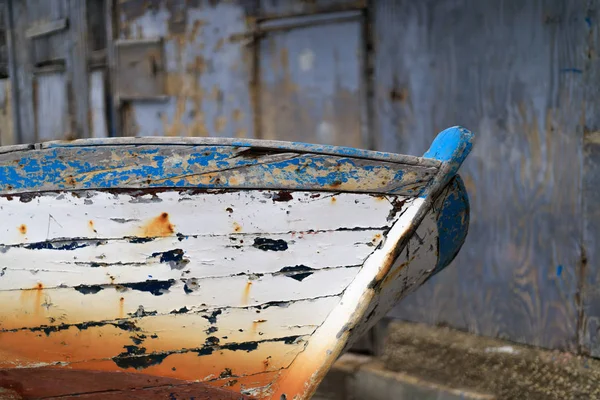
point(158, 227)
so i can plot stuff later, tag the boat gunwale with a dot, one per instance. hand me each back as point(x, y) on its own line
point(263, 144)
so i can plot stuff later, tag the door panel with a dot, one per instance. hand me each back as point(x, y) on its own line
point(310, 84)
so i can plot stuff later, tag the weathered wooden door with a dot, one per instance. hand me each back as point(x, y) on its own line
point(261, 69)
point(56, 69)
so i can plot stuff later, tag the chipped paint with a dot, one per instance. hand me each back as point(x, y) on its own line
point(206, 167)
point(257, 290)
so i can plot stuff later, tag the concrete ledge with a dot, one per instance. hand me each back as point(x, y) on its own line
point(356, 377)
point(505, 369)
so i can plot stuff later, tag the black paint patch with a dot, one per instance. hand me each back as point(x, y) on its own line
point(282, 304)
point(123, 325)
point(125, 361)
point(140, 240)
point(212, 341)
point(212, 318)
point(155, 287)
point(254, 153)
point(137, 340)
point(290, 339)
point(266, 244)
point(63, 245)
point(190, 285)
point(205, 351)
point(298, 272)
point(397, 206)
point(227, 373)
point(88, 289)
point(3, 271)
point(140, 312)
point(282, 196)
point(245, 346)
point(174, 258)
point(182, 310)
point(133, 350)
point(211, 329)
point(123, 220)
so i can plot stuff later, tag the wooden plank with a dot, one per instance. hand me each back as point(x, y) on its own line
point(163, 334)
point(42, 306)
point(273, 9)
point(225, 361)
point(21, 70)
point(77, 67)
point(49, 383)
point(440, 61)
point(300, 147)
point(52, 106)
point(7, 131)
point(97, 100)
point(114, 216)
point(43, 28)
point(202, 167)
point(121, 261)
point(297, 102)
point(207, 75)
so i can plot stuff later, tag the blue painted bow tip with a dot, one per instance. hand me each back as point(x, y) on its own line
point(452, 146)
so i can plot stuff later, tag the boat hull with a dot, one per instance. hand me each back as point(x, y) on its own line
point(245, 267)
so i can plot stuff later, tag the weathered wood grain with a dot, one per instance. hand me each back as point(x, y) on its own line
point(51, 383)
point(7, 132)
point(100, 262)
point(262, 144)
point(97, 101)
point(21, 69)
point(310, 89)
point(273, 9)
point(207, 74)
point(165, 214)
point(510, 70)
point(589, 265)
point(41, 305)
point(76, 168)
point(181, 329)
point(52, 114)
point(77, 66)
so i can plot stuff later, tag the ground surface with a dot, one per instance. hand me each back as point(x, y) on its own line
point(505, 370)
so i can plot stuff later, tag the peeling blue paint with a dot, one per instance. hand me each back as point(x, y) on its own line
point(452, 223)
point(451, 147)
point(559, 270)
point(70, 169)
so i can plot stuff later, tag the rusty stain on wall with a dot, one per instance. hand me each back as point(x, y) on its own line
point(207, 75)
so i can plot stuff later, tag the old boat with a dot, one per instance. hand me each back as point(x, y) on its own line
point(244, 263)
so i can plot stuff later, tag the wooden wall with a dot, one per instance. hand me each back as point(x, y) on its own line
point(515, 73)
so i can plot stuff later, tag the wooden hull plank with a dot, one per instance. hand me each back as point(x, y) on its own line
point(207, 167)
